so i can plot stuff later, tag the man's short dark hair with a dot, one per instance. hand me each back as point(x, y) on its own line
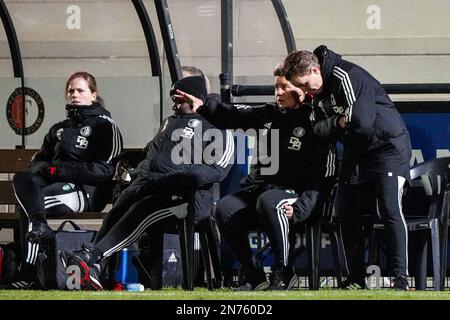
point(299, 63)
point(278, 72)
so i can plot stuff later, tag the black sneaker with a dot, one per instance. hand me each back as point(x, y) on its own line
point(283, 279)
point(400, 283)
point(40, 231)
point(23, 279)
point(89, 272)
point(19, 283)
point(230, 281)
point(254, 282)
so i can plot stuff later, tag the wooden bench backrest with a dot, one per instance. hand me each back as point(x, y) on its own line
point(13, 161)
point(18, 160)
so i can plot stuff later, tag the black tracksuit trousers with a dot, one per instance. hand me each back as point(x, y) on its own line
point(37, 196)
point(385, 195)
point(132, 214)
point(256, 208)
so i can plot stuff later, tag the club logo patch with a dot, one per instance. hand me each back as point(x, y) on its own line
point(86, 131)
point(28, 121)
point(193, 123)
point(58, 133)
point(68, 187)
point(338, 110)
point(298, 132)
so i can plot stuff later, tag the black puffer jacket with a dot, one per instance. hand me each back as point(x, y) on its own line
point(376, 141)
point(187, 154)
point(82, 147)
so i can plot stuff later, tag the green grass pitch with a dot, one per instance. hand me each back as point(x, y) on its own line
point(225, 294)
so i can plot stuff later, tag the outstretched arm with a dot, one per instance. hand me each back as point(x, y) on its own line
point(230, 116)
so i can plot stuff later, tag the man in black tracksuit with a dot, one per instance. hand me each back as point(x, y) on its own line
point(351, 105)
point(187, 155)
point(69, 172)
point(305, 173)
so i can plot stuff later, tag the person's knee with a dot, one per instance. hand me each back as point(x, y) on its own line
point(227, 210)
point(222, 213)
point(21, 178)
point(265, 203)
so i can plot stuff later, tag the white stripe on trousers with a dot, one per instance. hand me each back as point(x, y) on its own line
point(330, 163)
point(284, 227)
point(401, 183)
point(149, 220)
point(32, 248)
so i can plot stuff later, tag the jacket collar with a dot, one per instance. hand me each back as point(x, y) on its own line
point(327, 60)
point(95, 109)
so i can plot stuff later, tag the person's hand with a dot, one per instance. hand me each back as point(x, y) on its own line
point(288, 210)
point(300, 95)
point(341, 122)
point(193, 101)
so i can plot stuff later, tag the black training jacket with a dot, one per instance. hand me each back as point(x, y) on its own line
point(305, 162)
point(188, 147)
point(376, 141)
point(82, 147)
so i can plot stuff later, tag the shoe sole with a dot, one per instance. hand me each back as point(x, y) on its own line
point(294, 283)
point(88, 282)
point(261, 287)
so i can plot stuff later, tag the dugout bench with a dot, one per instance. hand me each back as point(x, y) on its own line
point(17, 160)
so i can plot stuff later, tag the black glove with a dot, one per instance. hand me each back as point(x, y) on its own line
point(48, 173)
